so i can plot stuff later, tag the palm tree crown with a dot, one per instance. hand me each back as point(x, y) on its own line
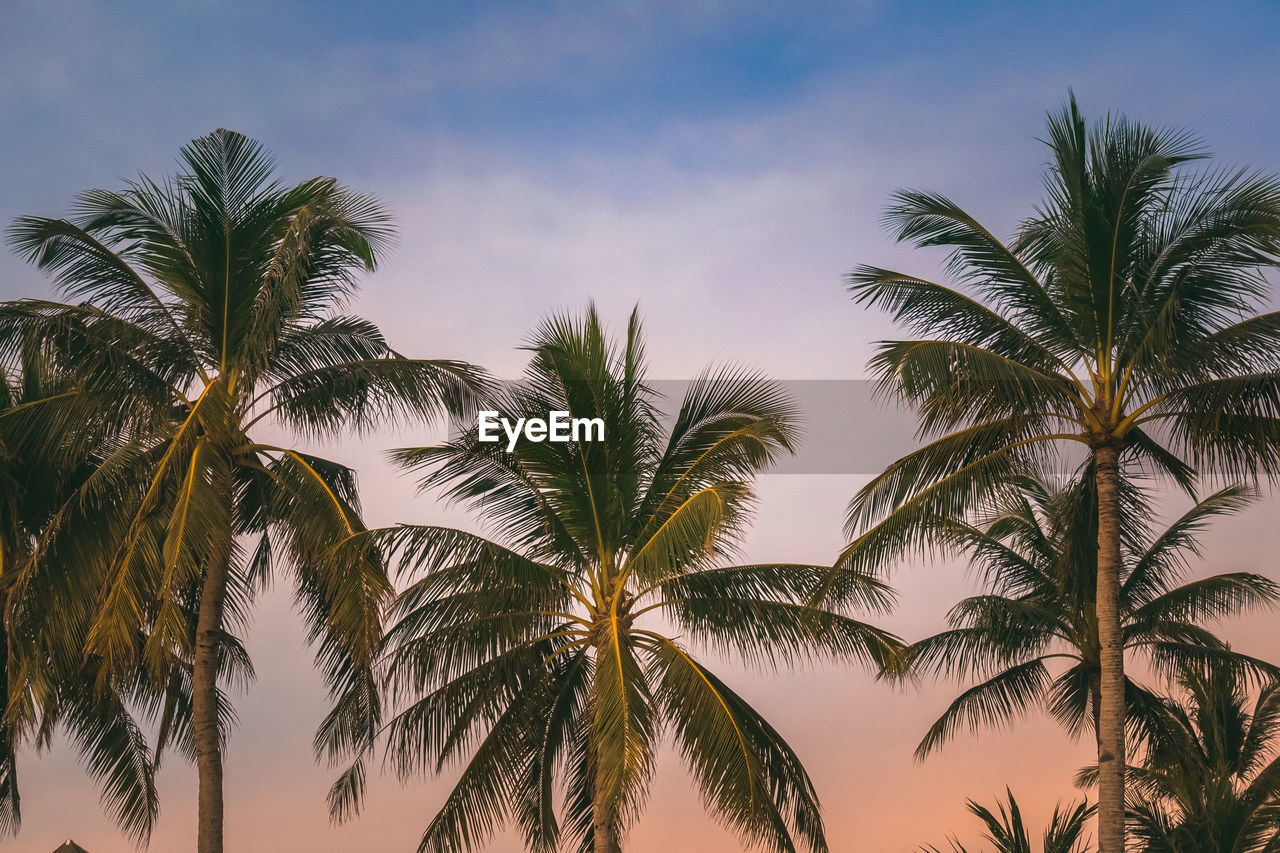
point(1209, 781)
point(1008, 833)
point(562, 647)
point(204, 308)
point(1036, 550)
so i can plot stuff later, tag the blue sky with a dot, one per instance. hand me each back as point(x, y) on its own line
point(722, 164)
point(544, 82)
point(761, 125)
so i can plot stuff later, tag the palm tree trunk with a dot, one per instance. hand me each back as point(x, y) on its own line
point(604, 840)
point(1111, 748)
point(204, 702)
point(603, 825)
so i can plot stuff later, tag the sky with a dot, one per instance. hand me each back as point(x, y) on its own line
point(721, 165)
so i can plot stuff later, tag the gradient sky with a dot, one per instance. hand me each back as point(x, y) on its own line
point(722, 164)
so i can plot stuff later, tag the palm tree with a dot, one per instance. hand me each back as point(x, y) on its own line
point(1121, 320)
point(206, 309)
point(1064, 834)
point(1037, 551)
point(44, 683)
point(1209, 781)
point(563, 647)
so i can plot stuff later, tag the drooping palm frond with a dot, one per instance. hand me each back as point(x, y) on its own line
point(44, 685)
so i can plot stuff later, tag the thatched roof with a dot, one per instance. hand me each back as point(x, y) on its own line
point(70, 846)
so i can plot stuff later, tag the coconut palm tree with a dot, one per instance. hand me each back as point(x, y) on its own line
point(44, 685)
point(1008, 832)
point(1209, 781)
point(563, 647)
point(1122, 320)
point(205, 310)
point(1032, 636)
